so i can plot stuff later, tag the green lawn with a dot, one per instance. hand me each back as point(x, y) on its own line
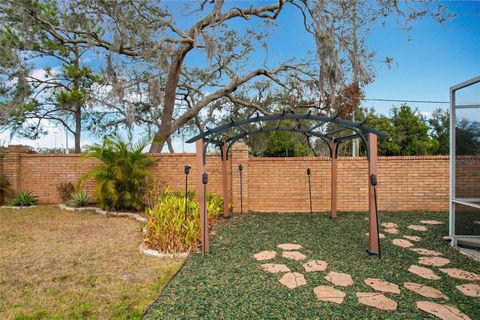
point(229, 283)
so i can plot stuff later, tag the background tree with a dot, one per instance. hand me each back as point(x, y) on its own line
point(440, 130)
point(57, 93)
point(164, 74)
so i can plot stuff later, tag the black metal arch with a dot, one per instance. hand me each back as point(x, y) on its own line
point(219, 135)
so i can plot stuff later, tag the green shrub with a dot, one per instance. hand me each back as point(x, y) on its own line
point(79, 199)
point(170, 229)
point(122, 177)
point(65, 191)
point(24, 199)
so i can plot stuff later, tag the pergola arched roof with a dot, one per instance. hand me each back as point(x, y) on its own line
point(235, 129)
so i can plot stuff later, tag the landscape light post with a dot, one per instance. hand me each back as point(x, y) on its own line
point(309, 189)
point(186, 171)
point(240, 168)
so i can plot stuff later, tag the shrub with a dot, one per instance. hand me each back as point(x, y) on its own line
point(24, 199)
point(170, 229)
point(65, 190)
point(79, 199)
point(122, 176)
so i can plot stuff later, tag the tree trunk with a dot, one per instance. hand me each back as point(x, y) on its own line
point(78, 129)
point(169, 99)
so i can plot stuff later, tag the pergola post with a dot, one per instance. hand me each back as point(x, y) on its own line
point(333, 188)
point(226, 196)
point(373, 242)
point(201, 194)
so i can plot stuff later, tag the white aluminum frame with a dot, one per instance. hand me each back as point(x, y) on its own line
point(453, 199)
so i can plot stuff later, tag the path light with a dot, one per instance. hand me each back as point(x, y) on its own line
point(240, 168)
point(309, 189)
point(186, 171)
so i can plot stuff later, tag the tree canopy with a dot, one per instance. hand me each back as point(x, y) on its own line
point(159, 73)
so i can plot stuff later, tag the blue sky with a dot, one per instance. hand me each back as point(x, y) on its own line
point(425, 67)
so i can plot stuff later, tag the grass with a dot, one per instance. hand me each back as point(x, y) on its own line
point(63, 265)
point(229, 283)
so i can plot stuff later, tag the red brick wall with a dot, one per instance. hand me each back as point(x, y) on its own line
point(269, 184)
point(404, 183)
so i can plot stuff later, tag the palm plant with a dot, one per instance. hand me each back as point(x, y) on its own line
point(122, 176)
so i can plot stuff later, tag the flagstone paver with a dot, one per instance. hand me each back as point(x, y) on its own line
point(382, 285)
point(391, 231)
point(329, 294)
point(315, 266)
point(389, 225)
point(425, 291)
point(402, 243)
point(289, 246)
point(417, 228)
point(433, 261)
point(426, 252)
point(413, 238)
point(293, 280)
point(433, 222)
point(275, 268)
point(339, 279)
point(376, 300)
point(470, 289)
point(441, 311)
point(265, 255)
point(461, 274)
point(294, 255)
point(380, 235)
point(423, 272)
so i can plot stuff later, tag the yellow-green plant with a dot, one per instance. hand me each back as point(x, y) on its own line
point(214, 207)
point(171, 229)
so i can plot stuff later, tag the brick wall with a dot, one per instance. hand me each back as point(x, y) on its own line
point(269, 184)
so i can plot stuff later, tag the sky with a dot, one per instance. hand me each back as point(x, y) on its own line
point(428, 60)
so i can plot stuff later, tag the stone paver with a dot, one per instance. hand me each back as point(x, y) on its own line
point(442, 311)
point(426, 252)
point(470, 289)
point(380, 235)
point(461, 274)
point(391, 231)
point(329, 294)
point(433, 261)
point(315, 266)
point(275, 268)
point(425, 291)
point(389, 225)
point(417, 228)
point(293, 280)
point(402, 243)
point(433, 222)
point(289, 246)
point(265, 255)
point(294, 255)
point(382, 285)
point(376, 300)
point(423, 272)
point(339, 279)
point(413, 238)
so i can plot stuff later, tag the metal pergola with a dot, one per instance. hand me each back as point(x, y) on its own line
point(308, 124)
point(464, 229)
